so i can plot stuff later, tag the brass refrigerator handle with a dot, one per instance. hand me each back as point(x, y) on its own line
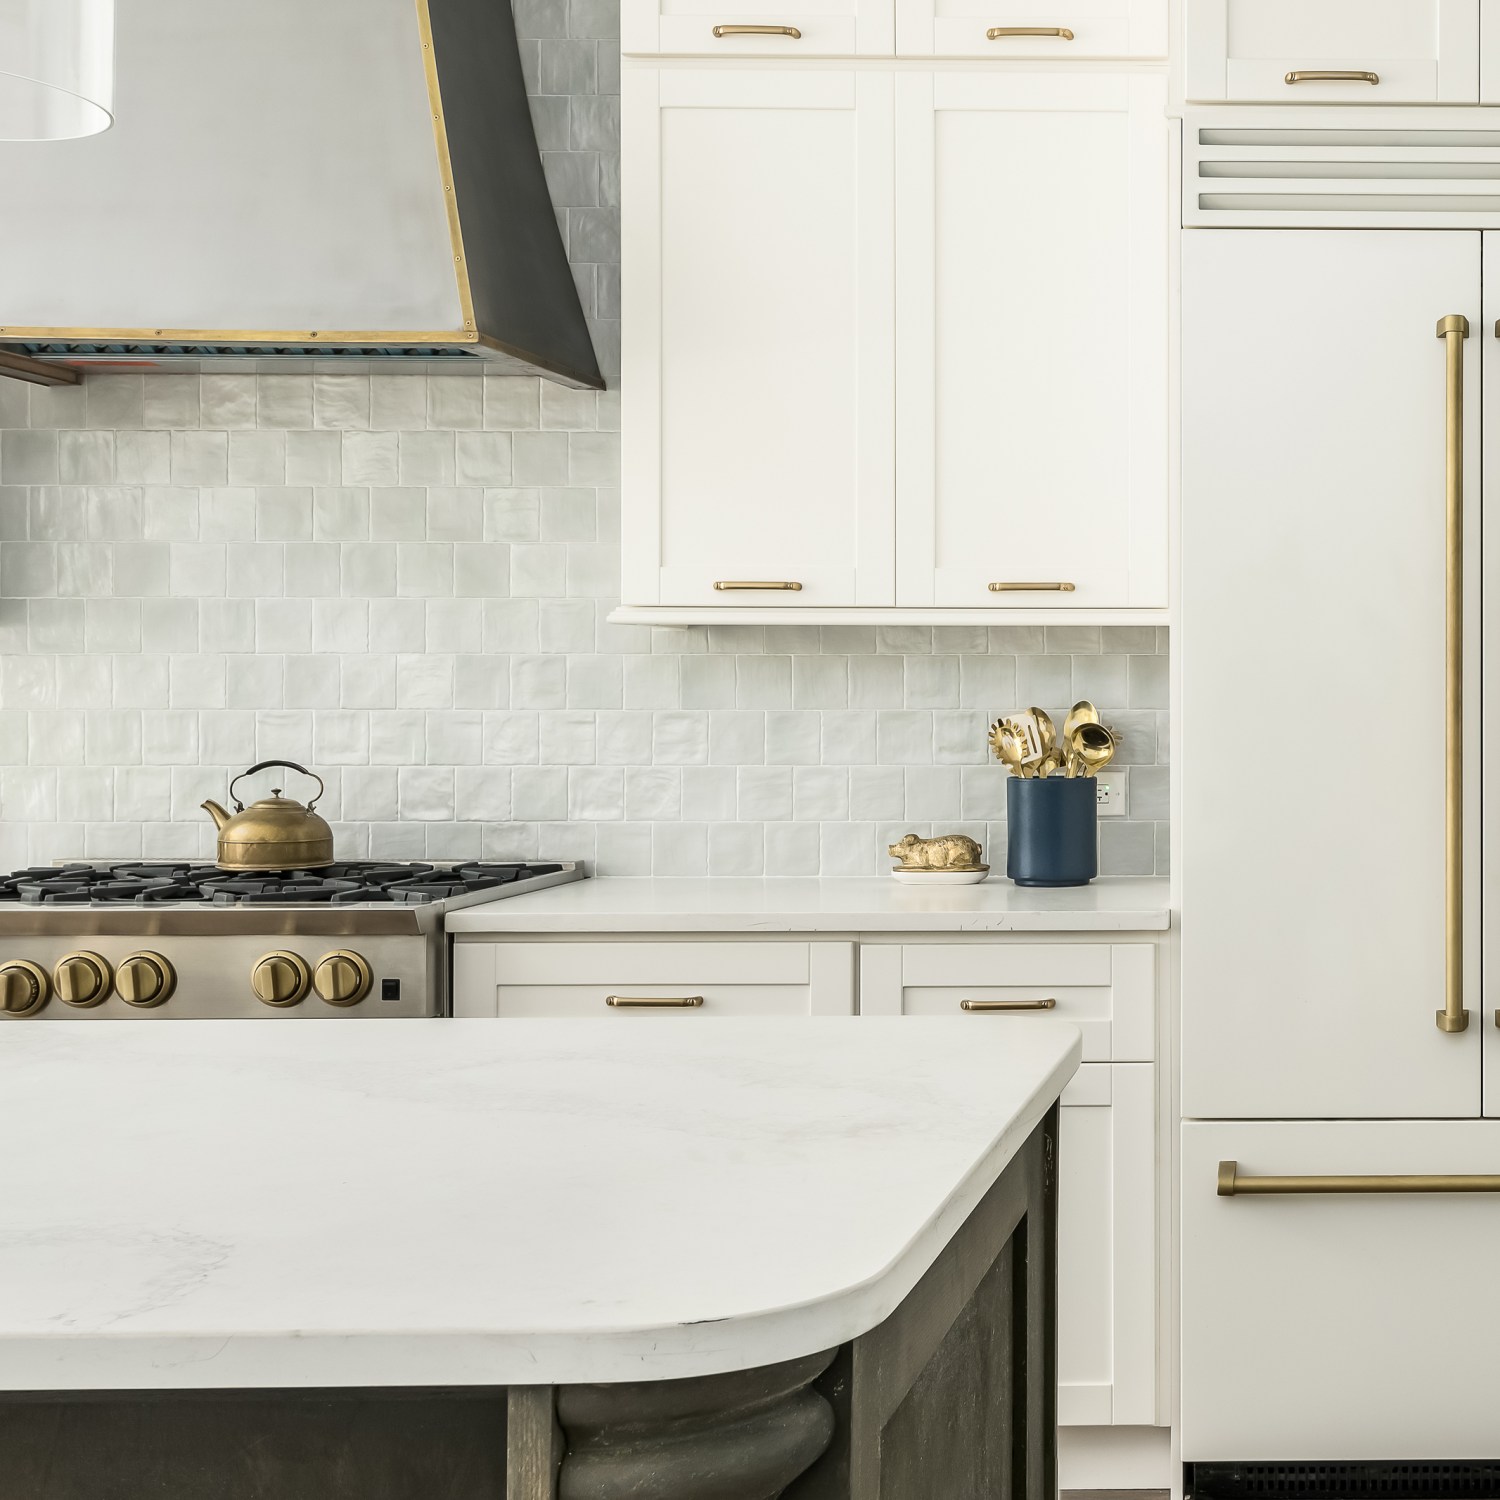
point(1232, 1185)
point(1453, 330)
point(790, 31)
point(1032, 588)
point(1331, 75)
point(654, 1002)
point(728, 585)
point(1007, 1004)
point(996, 32)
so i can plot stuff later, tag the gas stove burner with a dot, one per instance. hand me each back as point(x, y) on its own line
point(463, 880)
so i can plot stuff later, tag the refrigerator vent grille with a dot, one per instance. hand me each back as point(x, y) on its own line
point(1340, 168)
point(1476, 1480)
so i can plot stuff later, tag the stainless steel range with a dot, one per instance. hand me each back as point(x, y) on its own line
point(151, 941)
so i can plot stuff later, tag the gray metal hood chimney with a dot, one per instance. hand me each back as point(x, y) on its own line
point(295, 179)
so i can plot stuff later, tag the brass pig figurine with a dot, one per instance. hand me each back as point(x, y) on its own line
point(952, 851)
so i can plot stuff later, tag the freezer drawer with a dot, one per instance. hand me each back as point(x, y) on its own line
point(1339, 1326)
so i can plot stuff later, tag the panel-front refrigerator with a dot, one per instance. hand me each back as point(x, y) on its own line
point(1340, 1169)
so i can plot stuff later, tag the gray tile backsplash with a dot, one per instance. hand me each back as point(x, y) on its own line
point(404, 580)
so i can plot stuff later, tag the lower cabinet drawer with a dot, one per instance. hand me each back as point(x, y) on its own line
point(1107, 990)
point(1339, 1326)
point(630, 981)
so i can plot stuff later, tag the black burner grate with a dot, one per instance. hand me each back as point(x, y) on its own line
point(353, 882)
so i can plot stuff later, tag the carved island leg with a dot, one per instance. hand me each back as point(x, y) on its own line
point(741, 1436)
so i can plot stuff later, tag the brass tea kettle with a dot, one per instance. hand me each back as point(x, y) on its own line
point(274, 833)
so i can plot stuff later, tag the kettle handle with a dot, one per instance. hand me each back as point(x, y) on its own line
point(262, 765)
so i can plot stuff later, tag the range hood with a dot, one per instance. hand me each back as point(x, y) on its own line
point(293, 180)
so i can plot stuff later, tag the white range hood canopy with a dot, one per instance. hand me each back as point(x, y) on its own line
point(293, 178)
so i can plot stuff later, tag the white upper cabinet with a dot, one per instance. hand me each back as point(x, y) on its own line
point(769, 28)
point(1032, 340)
point(758, 304)
point(1343, 51)
point(1052, 30)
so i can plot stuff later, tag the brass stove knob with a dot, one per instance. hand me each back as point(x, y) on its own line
point(82, 979)
point(342, 978)
point(24, 987)
point(145, 980)
point(280, 979)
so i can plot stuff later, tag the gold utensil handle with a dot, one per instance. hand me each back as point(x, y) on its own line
point(728, 585)
point(1453, 330)
point(1033, 588)
point(1331, 75)
point(654, 1002)
point(1007, 1004)
point(790, 31)
point(996, 32)
point(1232, 1185)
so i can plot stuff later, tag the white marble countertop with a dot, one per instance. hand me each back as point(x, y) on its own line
point(244, 1204)
point(729, 904)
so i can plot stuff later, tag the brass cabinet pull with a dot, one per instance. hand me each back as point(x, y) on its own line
point(1232, 1185)
point(653, 1002)
point(1033, 588)
point(1007, 1004)
point(727, 585)
point(996, 32)
point(1331, 75)
point(790, 31)
point(1453, 330)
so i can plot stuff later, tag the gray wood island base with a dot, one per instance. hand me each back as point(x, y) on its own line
point(951, 1395)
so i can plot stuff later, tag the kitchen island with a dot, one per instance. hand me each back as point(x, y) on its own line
point(529, 1259)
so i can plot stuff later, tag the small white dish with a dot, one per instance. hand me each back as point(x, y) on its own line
point(940, 877)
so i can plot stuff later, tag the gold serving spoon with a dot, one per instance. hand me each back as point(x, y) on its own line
point(1082, 712)
point(1008, 748)
point(1094, 746)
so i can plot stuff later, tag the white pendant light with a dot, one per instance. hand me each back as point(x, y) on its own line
point(57, 68)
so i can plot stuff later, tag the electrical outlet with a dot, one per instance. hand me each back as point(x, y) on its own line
point(1109, 792)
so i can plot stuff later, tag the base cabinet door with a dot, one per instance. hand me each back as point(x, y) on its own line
point(1031, 335)
point(1376, 51)
point(1320, 1326)
point(758, 312)
point(1106, 1275)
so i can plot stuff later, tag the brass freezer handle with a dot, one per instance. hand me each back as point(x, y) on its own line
point(728, 585)
point(1033, 588)
point(996, 32)
point(790, 31)
point(1232, 1185)
point(654, 1002)
point(1453, 330)
point(1331, 75)
point(1007, 1004)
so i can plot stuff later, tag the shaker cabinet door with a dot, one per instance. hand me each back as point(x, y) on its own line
point(758, 308)
point(1315, 927)
point(1334, 51)
point(1031, 330)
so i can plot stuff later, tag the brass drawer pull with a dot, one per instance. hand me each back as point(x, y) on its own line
point(1453, 330)
point(790, 31)
point(1231, 1185)
point(1033, 588)
point(1330, 75)
point(1007, 1004)
point(727, 585)
point(996, 32)
point(653, 1002)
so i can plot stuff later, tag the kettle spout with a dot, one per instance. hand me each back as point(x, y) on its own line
point(217, 813)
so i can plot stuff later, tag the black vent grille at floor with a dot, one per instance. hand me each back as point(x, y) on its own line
point(1477, 1479)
